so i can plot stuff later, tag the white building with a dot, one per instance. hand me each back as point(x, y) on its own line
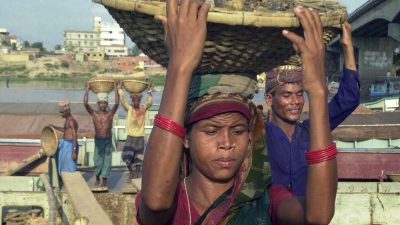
point(82, 41)
point(8, 42)
point(112, 37)
point(14, 42)
point(4, 49)
point(106, 37)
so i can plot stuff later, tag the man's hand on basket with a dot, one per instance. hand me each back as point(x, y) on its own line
point(119, 84)
point(311, 48)
point(345, 37)
point(347, 45)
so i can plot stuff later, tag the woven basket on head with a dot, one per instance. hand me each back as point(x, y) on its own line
point(135, 86)
point(243, 36)
point(49, 140)
point(101, 85)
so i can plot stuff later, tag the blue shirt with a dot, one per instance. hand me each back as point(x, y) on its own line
point(287, 159)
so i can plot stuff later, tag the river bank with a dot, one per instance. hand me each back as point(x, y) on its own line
point(62, 68)
point(78, 81)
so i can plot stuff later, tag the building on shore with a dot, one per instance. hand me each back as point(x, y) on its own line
point(82, 41)
point(112, 37)
point(105, 39)
point(14, 57)
point(8, 43)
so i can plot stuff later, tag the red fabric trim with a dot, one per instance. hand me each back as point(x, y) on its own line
point(277, 195)
point(214, 109)
point(137, 204)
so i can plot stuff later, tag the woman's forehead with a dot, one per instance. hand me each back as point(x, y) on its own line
point(226, 118)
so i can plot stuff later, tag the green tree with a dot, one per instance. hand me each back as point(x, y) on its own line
point(39, 45)
point(57, 47)
point(6, 43)
point(135, 50)
point(26, 44)
point(64, 64)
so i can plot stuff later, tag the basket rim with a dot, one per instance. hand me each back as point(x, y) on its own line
point(136, 81)
point(332, 18)
point(56, 137)
point(103, 80)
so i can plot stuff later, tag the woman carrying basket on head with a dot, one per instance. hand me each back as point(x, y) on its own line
point(219, 182)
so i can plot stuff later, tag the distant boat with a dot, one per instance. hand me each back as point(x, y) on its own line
point(384, 104)
point(388, 87)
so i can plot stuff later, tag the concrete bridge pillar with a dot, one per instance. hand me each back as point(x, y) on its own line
point(394, 31)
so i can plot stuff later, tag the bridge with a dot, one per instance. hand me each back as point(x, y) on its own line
point(376, 35)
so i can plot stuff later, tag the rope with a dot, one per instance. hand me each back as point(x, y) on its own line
point(23, 218)
point(17, 218)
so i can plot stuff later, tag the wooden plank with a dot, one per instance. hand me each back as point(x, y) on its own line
point(26, 163)
point(83, 200)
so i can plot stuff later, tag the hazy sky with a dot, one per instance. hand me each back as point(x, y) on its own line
point(46, 20)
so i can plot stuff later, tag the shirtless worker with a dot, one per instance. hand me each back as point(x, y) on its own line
point(68, 145)
point(102, 120)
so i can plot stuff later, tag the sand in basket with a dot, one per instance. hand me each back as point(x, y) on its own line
point(243, 37)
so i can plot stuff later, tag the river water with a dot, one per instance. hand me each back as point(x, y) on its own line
point(55, 91)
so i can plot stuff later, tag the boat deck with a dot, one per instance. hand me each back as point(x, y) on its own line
point(26, 120)
point(116, 182)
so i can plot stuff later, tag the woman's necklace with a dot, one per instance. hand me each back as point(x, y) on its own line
point(187, 199)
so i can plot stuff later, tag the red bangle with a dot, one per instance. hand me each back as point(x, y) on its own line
point(321, 155)
point(169, 125)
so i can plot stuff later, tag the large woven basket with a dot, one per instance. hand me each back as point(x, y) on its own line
point(240, 38)
point(49, 140)
point(135, 86)
point(99, 85)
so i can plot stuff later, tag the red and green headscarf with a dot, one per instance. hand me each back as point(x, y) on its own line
point(210, 95)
